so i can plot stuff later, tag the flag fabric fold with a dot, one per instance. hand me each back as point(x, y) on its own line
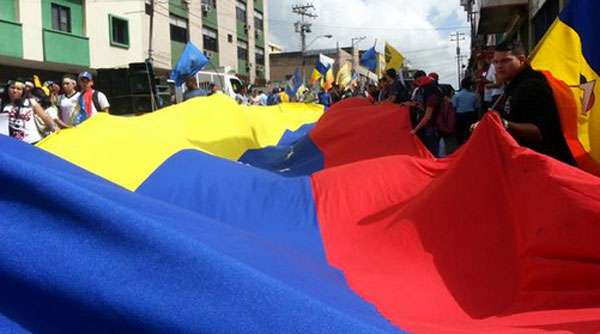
point(190, 62)
point(247, 220)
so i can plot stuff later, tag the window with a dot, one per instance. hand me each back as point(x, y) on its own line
point(211, 5)
point(236, 85)
point(209, 37)
point(242, 48)
point(258, 21)
point(179, 29)
point(61, 18)
point(260, 56)
point(240, 11)
point(119, 31)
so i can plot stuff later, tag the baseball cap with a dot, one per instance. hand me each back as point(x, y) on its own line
point(86, 75)
point(435, 76)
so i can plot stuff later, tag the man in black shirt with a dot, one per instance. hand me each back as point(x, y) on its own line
point(397, 90)
point(527, 108)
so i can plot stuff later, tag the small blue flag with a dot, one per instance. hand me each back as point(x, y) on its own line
point(369, 60)
point(190, 62)
point(294, 84)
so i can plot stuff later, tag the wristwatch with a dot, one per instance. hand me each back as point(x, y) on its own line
point(505, 124)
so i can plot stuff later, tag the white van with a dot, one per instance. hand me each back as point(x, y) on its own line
point(229, 83)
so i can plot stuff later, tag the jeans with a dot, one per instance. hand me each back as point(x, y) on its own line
point(430, 139)
point(463, 126)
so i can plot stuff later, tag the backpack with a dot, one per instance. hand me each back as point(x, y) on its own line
point(446, 119)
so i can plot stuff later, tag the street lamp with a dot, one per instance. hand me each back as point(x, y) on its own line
point(304, 47)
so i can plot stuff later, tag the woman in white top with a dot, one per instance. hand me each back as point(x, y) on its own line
point(21, 121)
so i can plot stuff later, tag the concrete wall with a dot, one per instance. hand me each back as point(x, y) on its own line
point(102, 53)
point(30, 15)
point(227, 26)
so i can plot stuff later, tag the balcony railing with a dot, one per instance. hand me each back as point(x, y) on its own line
point(11, 39)
point(66, 48)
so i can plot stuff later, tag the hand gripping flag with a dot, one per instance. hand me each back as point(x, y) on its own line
point(190, 62)
point(393, 58)
point(570, 55)
point(369, 59)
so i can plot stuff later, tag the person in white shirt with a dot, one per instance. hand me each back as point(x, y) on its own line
point(493, 88)
point(66, 102)
point(21, 111)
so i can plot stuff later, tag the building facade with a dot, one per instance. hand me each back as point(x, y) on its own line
point(284, 64)
point(57, 36)
point(494, 21)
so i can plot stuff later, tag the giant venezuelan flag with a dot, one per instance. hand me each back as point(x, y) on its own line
point(345, 226)
point(571, 53)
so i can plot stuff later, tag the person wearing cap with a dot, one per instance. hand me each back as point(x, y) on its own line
point(90, 101)
point(21, 113)
point(434, 76)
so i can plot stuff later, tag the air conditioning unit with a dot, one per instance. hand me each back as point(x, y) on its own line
point(258, 33)
point(209, 54)
point(206, 8)
point(249, 65)
point(247, 27)
point(260, 68)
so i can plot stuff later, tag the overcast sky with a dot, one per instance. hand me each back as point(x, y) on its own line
point(420, 29)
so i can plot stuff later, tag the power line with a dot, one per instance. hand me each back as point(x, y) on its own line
point(377, 28)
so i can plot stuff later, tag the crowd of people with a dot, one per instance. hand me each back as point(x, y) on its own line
point(31, 112)
point(442, 118)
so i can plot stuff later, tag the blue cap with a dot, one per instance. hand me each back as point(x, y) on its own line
point(86, 75)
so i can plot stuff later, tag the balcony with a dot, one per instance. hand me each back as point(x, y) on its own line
point(498, 16)
point(65, 48)
point(11, 39)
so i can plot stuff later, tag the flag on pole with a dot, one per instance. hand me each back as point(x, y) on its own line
point(570, 54)
point(369, 59)
point(190, 62)
point(294, 84)
point(393, 58)
point(344, 76)
point(323, 69)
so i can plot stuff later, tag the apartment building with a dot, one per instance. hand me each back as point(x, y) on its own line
point(57, 36)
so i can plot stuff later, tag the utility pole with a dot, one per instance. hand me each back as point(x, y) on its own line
point(355, 51)
point(457, 37)
point(303, 27)
point(150, 11)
